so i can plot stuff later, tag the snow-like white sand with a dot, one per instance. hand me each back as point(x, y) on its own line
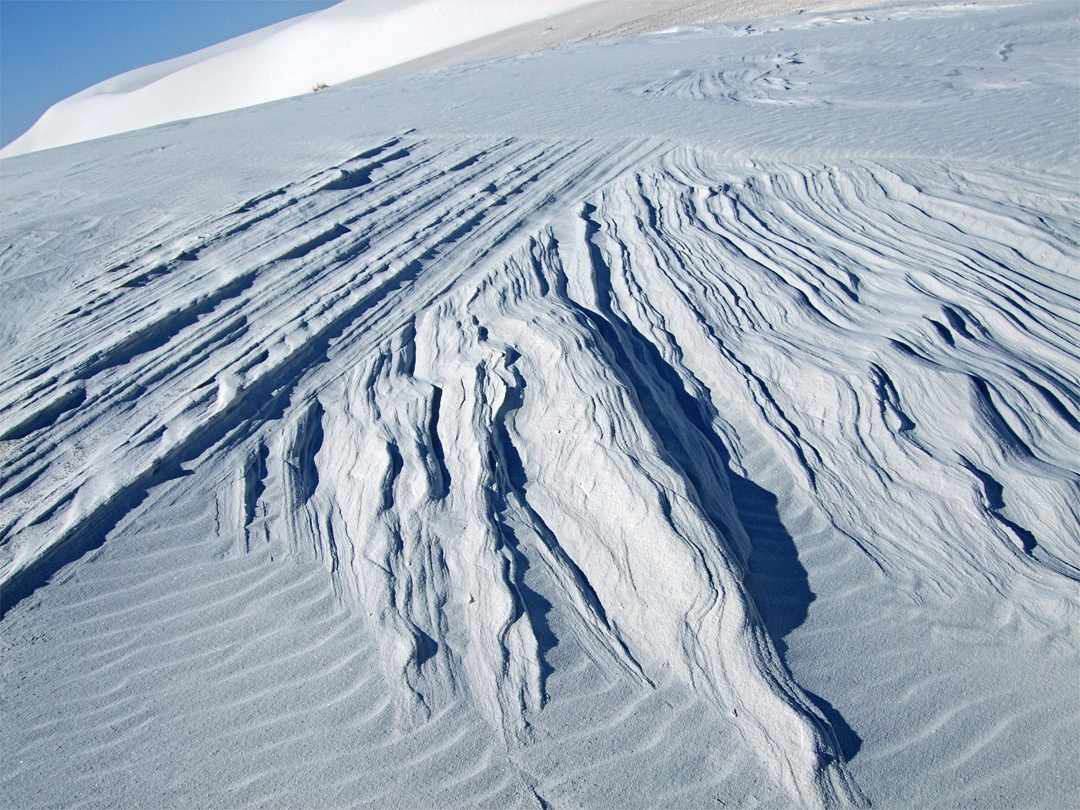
point(687, 420)
point(351, 40)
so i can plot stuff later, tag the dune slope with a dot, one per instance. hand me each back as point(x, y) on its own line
point(582, 462)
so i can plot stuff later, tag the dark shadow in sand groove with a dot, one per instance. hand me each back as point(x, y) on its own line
point(683, 421)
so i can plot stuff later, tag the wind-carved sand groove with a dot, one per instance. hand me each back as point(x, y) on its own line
point(445, 364)
point(768, 79)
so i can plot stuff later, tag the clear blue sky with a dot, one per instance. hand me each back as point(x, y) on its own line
point(51, 49)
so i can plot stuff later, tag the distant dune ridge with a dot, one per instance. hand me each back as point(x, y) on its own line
point(350, 40)
point(685, 419)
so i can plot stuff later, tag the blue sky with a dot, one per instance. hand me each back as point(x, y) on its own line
point(51, 49)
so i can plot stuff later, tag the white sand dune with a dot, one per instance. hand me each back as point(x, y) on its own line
point(685, 420)
point(348, 41)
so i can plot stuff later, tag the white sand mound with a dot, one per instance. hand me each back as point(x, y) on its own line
point(352, 39)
